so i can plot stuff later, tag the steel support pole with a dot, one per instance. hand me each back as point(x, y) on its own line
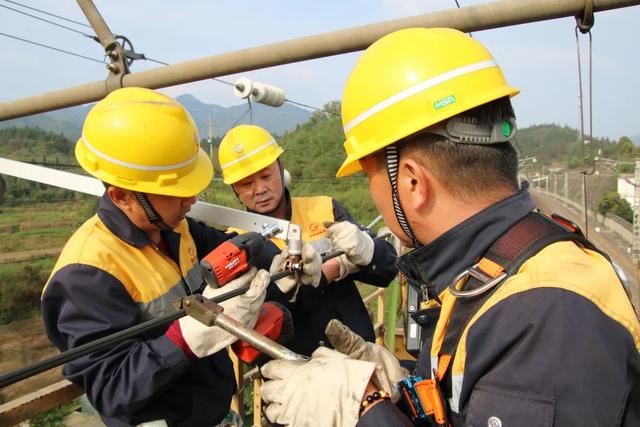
point(118, 66)
point(473, 18)
point(97, 23)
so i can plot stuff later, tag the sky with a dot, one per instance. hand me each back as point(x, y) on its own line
point(538, 58)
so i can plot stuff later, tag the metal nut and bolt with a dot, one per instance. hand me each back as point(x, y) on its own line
point(113, 68)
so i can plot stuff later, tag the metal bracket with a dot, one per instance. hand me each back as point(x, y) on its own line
point(118, 66)
point(585, 22)
point(202, 309)
point(201, 211)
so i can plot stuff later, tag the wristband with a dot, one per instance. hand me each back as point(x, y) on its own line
point(373, 397)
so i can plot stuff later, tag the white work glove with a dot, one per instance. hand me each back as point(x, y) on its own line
point(325, 391)
point(346, 267)
point(311, 268)
point(356, 244)
point(353, 345)
point(204, 340)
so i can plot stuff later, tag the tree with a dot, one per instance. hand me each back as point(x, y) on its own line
point(625, 148)
point(330, 109)
point(611, 202)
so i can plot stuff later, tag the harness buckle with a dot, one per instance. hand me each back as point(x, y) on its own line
point(488, 280)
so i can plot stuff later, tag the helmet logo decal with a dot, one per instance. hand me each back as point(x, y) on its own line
point(238, 148)
point(506, 128)
point(247, 155)
point(444, 102)
point(417, 88)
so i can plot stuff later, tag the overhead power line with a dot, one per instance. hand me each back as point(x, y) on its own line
point(50, 22)
point(51, 47)
point(232, 84)
point(48, 13)
point(93, 37)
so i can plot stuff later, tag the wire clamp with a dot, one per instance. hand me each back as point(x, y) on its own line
point(585, 22)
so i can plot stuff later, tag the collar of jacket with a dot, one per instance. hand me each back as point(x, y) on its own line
point(436, 264)
point(122, 227)
point(119, 224)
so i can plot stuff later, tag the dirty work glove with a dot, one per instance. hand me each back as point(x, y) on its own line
point(356, 244)
point(353, 345)
point(386, 234)
point(198, 340)
point(346, 267)
point(311, 268)
point(325, 391)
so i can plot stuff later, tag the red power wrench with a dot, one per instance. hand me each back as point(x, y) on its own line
point(235, 256)
point(230, 260)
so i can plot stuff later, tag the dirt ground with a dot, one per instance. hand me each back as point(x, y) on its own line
point(29, 255)
point(23, 343)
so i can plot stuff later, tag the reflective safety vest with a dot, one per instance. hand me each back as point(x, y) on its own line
point(151, 278)
point(309, 213)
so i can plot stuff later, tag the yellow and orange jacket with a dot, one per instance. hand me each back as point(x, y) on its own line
point(557, 344)
point(110, 277)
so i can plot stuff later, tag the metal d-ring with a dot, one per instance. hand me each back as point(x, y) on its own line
point(489, 282)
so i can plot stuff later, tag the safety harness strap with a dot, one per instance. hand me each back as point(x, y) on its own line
point(504, 258)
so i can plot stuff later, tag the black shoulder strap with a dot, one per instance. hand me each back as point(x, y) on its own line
point(526, 238)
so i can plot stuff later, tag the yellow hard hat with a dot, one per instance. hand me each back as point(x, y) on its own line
point(245, 150)
point(412, 79)
point(144, 141)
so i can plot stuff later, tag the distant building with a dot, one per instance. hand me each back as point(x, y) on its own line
point(626, 187)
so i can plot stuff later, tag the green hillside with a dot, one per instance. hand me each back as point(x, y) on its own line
point(558, 146)
point(313, 154)
point(37, 146)
point(68, 121)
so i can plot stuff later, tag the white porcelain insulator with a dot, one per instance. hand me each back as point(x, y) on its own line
point(243, 87)
point(267, 94)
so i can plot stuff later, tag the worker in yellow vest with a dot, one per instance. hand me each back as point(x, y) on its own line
point(130, 261)
point(250, 161)
point(525, 322)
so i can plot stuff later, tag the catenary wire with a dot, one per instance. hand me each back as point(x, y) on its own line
point(231, 84)
point(51, 22)
point(48, 13)
point(51, 47)
point(458, 6)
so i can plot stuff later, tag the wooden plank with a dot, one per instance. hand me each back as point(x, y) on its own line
point(369, 298)
point(257, 402)
point(237, 401)
point(40, 401)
